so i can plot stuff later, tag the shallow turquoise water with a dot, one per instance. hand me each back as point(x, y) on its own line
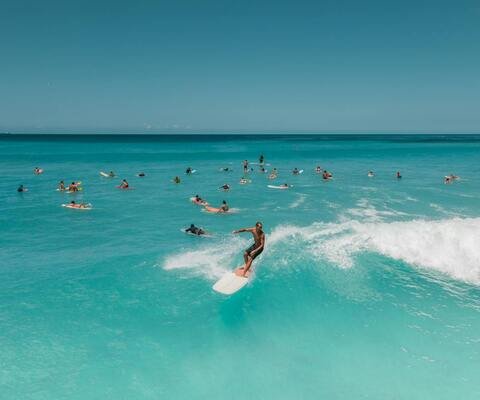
point(368, 287)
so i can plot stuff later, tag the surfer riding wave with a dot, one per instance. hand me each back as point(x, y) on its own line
point(254, 250)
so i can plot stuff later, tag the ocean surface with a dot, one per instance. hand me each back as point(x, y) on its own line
point(368, 288)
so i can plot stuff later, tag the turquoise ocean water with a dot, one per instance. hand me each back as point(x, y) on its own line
point(368, 287)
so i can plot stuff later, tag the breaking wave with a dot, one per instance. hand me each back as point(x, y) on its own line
point(450, 246)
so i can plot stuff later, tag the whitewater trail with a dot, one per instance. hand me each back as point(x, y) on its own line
point(449, 246)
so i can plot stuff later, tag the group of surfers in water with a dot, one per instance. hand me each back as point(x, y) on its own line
point(257, 231)
point(73, 187)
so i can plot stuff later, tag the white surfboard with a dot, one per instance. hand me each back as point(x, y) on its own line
point(104, 174)
point(88, 207)
point(230, 283)
point(279, 187)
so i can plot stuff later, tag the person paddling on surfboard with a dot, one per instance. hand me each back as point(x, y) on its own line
point(254, 250)
point(195, 230)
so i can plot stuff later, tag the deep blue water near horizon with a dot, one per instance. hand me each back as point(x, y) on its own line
point(369, 288)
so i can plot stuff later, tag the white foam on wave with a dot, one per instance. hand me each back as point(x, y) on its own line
point(211, 260)
point(449, 246)
point(299, 201)
point(365, 210)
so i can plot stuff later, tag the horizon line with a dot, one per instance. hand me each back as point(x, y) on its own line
point(126, 131)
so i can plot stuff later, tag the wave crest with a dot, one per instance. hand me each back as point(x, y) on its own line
point(449, 246)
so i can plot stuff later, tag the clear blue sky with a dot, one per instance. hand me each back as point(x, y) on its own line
point(248, 65)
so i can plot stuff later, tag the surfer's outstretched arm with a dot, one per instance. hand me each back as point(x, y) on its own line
point(243, 230)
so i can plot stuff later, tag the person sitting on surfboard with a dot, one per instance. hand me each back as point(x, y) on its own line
point(111, 174)
point(195, 230)
point(245, 166)
point(61, 186)
point(318, 169)
point(176, 180)
point(273, 174)
point(224, 207)
point(398, 175)
point(21, 189)
point(295, 171)
point(73, 187)
point(188, 171)
point(254, 250)
point(124, 184)
point(261, 159)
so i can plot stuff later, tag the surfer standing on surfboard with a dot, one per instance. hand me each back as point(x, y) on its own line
point(254, 250)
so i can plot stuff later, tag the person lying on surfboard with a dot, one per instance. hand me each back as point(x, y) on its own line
point(195, 230)
point(254, 250)
point(222, 209)
point(61, 186)
point(198, 200)
point(78, 205)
